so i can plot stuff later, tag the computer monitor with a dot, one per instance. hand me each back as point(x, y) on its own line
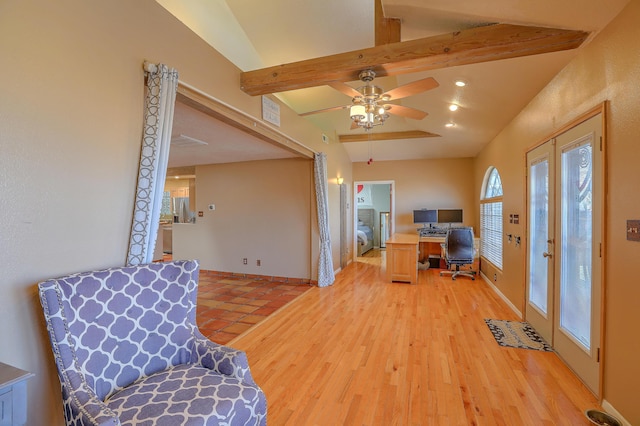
point(425, 216)
point(449, 215)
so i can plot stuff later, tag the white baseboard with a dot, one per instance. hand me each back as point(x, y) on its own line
point(502, 296)
point(609, 409)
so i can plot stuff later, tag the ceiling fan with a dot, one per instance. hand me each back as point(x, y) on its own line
point(369, 104)
point(392, 56)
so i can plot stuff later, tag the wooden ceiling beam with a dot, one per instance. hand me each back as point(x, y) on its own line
point(384, 136)
point(481, 44)
point(387, 30)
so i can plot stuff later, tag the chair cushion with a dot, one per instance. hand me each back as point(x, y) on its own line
point(188, 395)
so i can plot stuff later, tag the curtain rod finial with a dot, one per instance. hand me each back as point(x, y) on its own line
point(149, 67)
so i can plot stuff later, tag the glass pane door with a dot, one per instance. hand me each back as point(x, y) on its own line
point(578, 294)
point(576, 242)
point(564, 229)
point(539, 228)
point(540, 257)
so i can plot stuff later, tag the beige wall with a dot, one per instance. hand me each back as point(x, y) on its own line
point(432, 184)
point(71, 102)
point(262, 211)
point(607, 69)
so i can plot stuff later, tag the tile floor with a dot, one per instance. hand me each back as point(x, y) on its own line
point(229, 305)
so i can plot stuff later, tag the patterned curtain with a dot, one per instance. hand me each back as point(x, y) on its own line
point(161, 85)
point(326, 276)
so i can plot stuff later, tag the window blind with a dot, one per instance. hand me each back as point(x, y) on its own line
point(491, 232)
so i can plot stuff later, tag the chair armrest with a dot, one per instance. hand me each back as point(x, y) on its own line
point(222, 359)
point(85, 405)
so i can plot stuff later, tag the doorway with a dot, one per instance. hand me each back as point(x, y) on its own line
point(374, 202)
point(565, 210)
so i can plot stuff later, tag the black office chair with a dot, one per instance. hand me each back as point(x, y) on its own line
point(459, 250)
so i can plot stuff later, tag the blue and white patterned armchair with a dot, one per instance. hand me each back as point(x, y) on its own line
point(128, 351)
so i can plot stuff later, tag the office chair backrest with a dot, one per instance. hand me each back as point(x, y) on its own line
point(459, 243)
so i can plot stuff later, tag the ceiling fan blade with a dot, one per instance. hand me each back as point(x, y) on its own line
point(344, 88)
point(336, 108)
point(404, 111)
point(413, 88)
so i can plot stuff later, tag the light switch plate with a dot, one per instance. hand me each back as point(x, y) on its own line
point(633, 230)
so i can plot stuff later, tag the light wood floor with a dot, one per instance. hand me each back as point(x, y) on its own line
point(368, 352)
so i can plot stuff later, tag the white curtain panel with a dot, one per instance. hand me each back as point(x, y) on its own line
point(161, 85)
point(326, 276)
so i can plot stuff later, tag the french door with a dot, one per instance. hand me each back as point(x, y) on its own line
point(564, 203)
point(541, 205)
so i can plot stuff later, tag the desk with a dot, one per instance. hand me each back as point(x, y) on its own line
point(430, 246)
point(402, 258)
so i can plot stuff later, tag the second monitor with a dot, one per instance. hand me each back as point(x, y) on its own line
point(449, 215)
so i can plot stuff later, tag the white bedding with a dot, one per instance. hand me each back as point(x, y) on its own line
point(362, 237)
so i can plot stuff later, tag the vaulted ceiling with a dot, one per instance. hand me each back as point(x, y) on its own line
point(501, 76)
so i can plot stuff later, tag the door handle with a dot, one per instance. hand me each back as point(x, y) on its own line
point(547, 255)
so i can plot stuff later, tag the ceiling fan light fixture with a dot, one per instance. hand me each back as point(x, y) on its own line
point(369, 105)
point(357, 112)
point(370, 118)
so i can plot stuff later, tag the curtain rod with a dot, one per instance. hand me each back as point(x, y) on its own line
point(206, 95)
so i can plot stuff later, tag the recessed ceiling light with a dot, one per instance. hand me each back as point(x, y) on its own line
point(453, 107)
point(449, 125)
point(460, 83)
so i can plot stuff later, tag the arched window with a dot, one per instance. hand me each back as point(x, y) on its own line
point(491, 218)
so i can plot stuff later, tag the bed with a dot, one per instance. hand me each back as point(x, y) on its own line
point(365, 230)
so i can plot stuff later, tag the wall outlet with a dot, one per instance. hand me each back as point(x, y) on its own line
point(244, 260)
point(495, 277)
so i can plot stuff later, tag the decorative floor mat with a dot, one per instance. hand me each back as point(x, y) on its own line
point(516, 334)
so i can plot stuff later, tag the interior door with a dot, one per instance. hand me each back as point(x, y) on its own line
point(565, 198)
point(539, 307)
